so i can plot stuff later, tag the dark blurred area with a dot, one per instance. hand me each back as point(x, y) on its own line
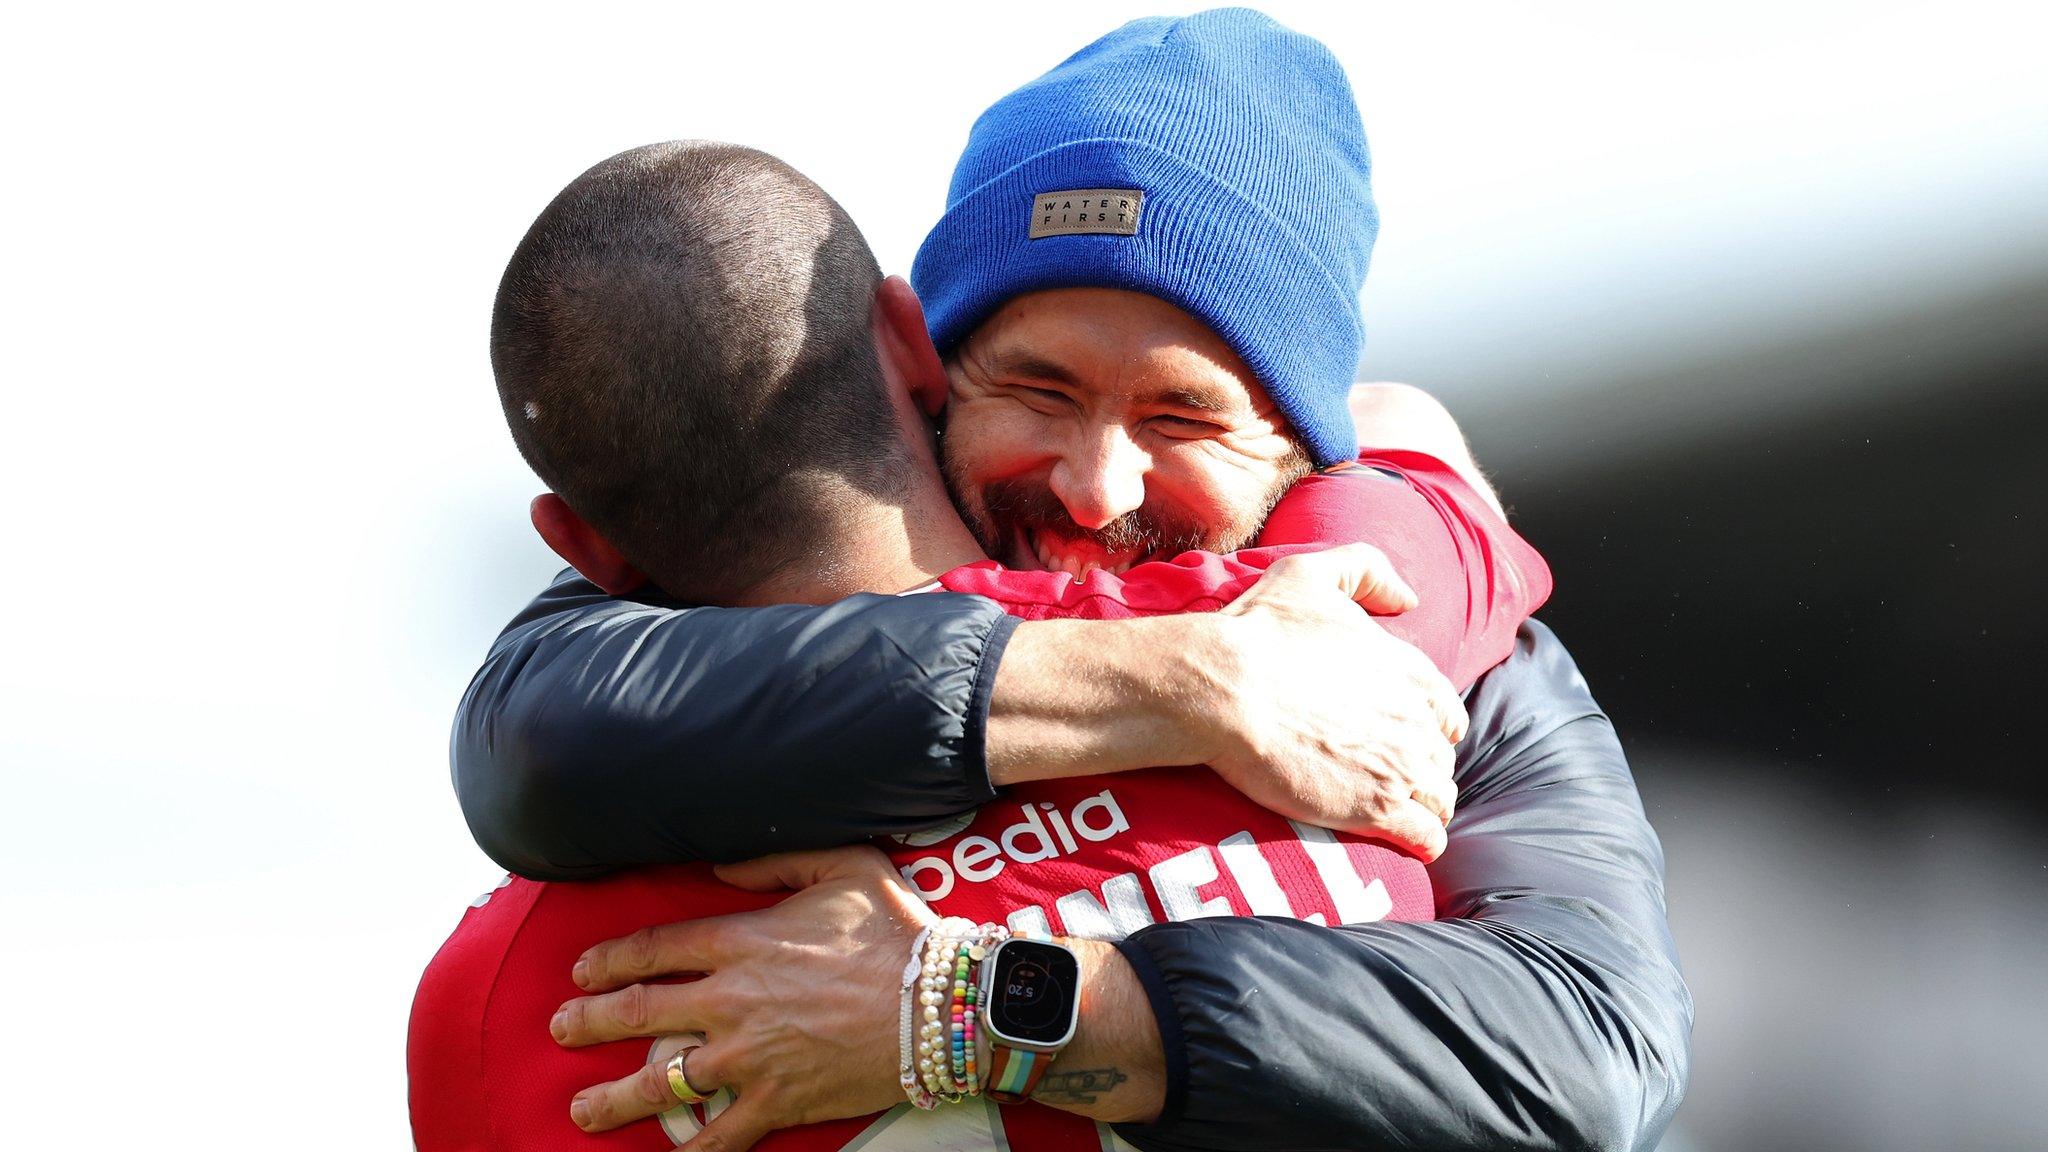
point(1854, 587)
point(1806, 580)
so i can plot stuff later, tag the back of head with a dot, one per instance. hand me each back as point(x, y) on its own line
point(683, 352)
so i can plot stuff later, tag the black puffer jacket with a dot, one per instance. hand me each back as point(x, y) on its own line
point(1545, 1011)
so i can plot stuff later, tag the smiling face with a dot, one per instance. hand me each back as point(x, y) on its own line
point(1096, 428)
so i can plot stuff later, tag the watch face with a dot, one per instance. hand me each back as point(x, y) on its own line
point(1033, 992)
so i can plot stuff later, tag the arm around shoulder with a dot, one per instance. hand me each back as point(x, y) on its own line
point(605, 732)
point(1545, 1011)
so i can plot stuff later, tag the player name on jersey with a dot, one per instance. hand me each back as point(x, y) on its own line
point(1199, 851)
point(1167, 843)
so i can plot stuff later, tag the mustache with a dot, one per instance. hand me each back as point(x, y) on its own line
point(1145, 531)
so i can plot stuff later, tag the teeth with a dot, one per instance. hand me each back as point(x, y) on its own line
point(1052, 556)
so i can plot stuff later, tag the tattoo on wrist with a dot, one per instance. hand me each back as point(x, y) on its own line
point(1077, 1085)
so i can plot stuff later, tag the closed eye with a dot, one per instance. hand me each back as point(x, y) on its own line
point(1043, 399)
point(1185, 427)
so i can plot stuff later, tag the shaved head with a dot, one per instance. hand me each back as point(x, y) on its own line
point(683, 352)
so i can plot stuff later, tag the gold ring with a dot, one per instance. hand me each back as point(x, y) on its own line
point(679, 1080)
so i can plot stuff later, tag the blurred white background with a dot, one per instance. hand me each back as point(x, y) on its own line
point(263, 516)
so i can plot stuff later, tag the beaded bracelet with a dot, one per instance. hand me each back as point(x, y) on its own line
point(934, 1055)
point(966, 975)
point(917, 1071)
point(935, 1080)
point(944, 968)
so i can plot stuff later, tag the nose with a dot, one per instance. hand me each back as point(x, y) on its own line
point(1101, 476)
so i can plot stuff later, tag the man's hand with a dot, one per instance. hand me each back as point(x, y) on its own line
point(798, 1007)
point(1296, 697)
point(1334, 721)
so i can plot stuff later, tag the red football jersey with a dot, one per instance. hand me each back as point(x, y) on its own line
point(1095, 856)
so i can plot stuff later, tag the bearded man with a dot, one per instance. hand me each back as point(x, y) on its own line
point(1224, 176)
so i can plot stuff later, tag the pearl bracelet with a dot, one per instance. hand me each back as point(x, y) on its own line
point(945, 1065)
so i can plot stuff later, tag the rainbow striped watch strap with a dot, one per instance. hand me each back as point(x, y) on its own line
point(1014, 1072)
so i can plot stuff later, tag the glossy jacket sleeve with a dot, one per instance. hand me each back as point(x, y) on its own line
point(1545, 1010)
point(605, 732)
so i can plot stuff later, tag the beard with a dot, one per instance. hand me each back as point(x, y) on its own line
point(1014, 518)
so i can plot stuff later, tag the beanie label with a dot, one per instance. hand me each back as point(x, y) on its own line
point(1078, 211)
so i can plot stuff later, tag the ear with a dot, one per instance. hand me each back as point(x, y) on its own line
point(909, 361)
point(574, 540)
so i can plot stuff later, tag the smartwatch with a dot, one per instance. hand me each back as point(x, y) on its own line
point(1030, 1001)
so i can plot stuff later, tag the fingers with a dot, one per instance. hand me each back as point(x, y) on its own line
point(1361, 572)
point(1451, 718)
point(1414, 829)
point(796, 870)
point(736, 1129)
point(1445, 704)
point(667, 950)
point(1375, 586)
point(637, 1010)
point(1439, 795)
point(1456, 721)
point(606, 1106)
point(645, 1093)
point(1433, 759)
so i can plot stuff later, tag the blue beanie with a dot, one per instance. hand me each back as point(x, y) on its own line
point(1214, 161)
